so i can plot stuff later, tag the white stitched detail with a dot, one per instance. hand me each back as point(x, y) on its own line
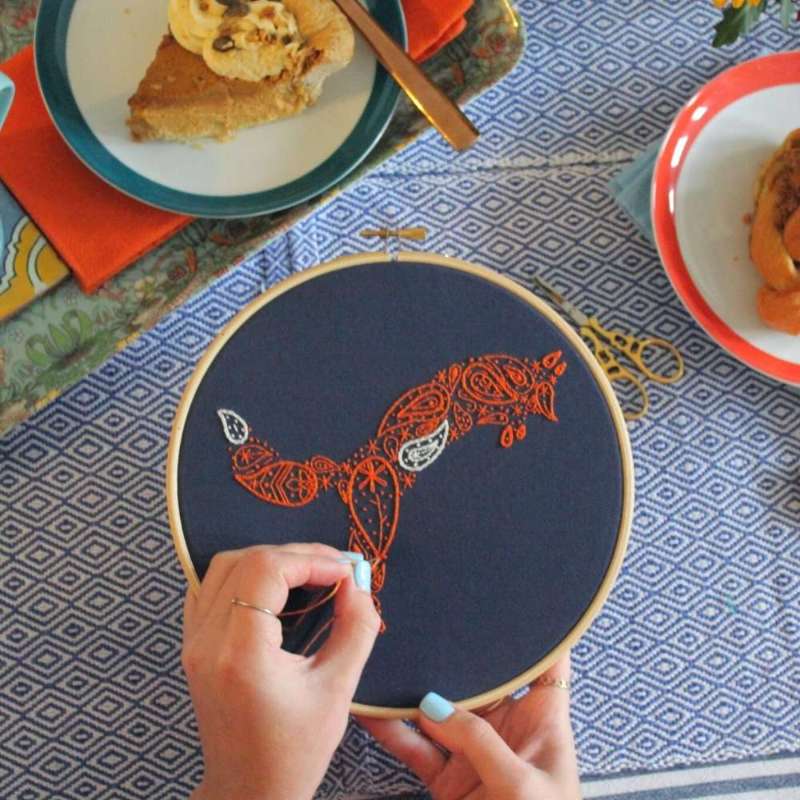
point(418, 454)
point(234, 427)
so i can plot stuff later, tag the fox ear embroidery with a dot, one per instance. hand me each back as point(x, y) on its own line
point(419, 454)
point(499, 390)
point(233, 426)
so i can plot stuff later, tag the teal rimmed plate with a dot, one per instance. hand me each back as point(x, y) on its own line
point(90, 57)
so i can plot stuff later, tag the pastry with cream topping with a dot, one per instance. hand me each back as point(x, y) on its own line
point(229, 64)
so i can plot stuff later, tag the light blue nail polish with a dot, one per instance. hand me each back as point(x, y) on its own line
point(350, 557)
point(436, 708)
point(363, 576)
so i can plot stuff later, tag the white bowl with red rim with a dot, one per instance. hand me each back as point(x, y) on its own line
point(702, 194)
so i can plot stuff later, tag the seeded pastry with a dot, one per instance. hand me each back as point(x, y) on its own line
point(229, 64)
point(775, 237)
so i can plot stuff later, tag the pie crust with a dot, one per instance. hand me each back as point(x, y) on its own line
point(181, 99)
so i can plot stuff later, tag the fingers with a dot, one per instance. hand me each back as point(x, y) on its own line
point(256, 575)
point(189, 614)
point(471, 736)
point(307, 549)
point(217, 573)
point(425, 759)
point(561, 670)
point(547, 709)
point(355, 627)
point(550, 703)
point(264, 576)
point(223, 563)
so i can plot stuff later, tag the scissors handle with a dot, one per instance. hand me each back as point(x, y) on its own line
point(617, 374)
point(636, 350)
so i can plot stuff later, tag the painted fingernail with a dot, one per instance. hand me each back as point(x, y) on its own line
point(349, 557)
point(363, 576)
point(436, 708)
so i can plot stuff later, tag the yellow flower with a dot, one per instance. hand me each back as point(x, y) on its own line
point(735, 3)
point(124, 342)
point(48, 398)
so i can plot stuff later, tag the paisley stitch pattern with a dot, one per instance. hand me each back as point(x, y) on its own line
point(418, 427)
point(236, 430)
point(419, 454)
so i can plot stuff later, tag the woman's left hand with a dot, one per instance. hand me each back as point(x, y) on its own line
point(521, 750)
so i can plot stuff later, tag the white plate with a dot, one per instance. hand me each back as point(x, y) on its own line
point(91, 55)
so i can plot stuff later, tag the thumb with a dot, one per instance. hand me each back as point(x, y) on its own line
point(472, 737)
point(355, 627)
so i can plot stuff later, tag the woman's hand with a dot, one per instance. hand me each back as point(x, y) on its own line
point(269, 720)
point(522, 750)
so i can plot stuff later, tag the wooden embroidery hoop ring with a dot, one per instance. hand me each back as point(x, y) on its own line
point(498, 694)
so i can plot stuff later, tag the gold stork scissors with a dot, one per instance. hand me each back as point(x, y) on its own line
point(604, 342)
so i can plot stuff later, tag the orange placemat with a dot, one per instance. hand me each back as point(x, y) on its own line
point(432, 24)
point(97, 230)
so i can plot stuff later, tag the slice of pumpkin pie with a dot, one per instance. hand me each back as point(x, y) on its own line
point(230, 64)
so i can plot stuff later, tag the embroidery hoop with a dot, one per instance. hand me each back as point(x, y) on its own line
point(502, 691)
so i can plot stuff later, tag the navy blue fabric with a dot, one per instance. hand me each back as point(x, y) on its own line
point(498, 552)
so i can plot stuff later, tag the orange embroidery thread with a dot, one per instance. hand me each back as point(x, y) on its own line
point(497, 390)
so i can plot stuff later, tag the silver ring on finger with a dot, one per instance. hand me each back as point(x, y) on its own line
point(237, 602)
point(558, 683)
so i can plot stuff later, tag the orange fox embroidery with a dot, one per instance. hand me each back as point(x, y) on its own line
point(497, 390)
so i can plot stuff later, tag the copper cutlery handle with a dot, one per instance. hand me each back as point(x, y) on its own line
point(437, 107)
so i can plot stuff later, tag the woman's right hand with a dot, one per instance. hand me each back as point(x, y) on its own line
point(523, 750)
point(270, 720)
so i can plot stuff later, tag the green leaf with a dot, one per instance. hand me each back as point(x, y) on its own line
point(787, 12)
point(62, 340)
point(737, 22)
point(36, 348)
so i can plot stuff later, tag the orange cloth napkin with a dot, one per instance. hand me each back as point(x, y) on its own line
point(97, 230)
point(432, 24)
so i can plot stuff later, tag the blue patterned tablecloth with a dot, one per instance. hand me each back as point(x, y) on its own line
point(695, 657)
